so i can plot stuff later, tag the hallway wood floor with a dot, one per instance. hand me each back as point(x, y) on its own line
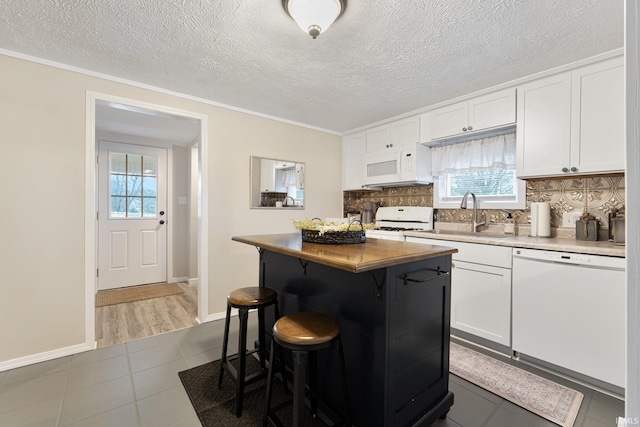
point(120, 323)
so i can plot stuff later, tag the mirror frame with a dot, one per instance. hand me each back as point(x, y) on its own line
point(254, 185)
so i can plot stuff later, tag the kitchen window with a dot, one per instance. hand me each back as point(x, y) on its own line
point(486, 167)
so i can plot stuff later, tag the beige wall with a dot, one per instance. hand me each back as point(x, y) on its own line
point(42, 149)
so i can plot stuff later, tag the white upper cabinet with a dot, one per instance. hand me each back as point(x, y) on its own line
point(543, 129)
point(267, 175)
point(378, 140)
point(405, 132)
point(390, 138)
point(572, 123)
point(353, 149)
point(597, 112)
point(494, 110)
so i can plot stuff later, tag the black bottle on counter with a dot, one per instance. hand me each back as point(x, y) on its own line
point(612, 215)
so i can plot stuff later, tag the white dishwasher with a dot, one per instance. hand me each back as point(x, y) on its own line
point(569, 311)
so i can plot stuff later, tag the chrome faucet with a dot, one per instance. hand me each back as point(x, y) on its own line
point(474, 218)
point(284, 202)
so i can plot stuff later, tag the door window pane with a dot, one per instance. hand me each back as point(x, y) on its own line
point(118, 185)
point(119, 207)
point(149, 186)
point(134, 186)
point(118, 163)
point(149, 208)
point(134, 207)
point(134, 165)
point(150, 166)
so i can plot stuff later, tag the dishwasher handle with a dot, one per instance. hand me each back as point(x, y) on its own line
point(570, 258)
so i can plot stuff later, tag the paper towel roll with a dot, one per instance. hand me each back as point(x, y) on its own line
point(544, 219)
point(541, 219)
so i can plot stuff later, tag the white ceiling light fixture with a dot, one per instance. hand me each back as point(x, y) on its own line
point(314, 16)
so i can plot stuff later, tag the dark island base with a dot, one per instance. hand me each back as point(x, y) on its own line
point(394, 324)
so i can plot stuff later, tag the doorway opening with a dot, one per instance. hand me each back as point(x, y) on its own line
point(144, 215)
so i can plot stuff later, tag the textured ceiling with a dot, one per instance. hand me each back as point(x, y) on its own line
point(382, 58)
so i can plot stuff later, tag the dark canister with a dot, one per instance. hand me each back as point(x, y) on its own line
point(587, 227)
point(619, 228)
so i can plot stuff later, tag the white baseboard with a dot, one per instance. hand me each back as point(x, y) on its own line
point(43, 357)
point(179, 279)
point(193, 281)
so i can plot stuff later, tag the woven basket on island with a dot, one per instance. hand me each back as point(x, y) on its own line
point(318, 231)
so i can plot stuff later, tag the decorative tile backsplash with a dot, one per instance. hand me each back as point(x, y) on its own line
point(597, 195)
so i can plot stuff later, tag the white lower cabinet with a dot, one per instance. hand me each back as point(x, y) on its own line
point(480, 289)
point(481, 301)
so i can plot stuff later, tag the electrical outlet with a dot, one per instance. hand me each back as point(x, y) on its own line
point(569, 219)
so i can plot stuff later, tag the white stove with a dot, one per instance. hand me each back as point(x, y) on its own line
point(395, 220)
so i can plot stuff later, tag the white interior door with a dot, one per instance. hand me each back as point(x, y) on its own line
point(132, 215)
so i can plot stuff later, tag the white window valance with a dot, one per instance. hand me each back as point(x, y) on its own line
point(478, 155)
point(289, 178)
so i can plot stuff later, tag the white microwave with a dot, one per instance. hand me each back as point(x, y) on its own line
point(409, 165)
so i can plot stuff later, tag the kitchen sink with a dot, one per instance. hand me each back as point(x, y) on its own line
point(472, 234)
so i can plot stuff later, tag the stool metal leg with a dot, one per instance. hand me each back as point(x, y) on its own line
point(243, 315)
point(345, 387)
point(261, 338)
point(225, 342)
point(313, 382)
point(265, 422)
point(299, 376)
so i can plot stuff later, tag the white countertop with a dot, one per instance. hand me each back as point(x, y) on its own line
point(547, 243)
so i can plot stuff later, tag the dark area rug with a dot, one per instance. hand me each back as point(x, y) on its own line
point(216, 406)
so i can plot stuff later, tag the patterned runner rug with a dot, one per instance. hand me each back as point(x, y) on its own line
point(541, 396)
point(136, 293)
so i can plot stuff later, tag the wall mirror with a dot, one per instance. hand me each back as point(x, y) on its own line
point(276, 184)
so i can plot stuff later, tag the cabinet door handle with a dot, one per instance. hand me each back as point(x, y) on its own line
point(574, 169)
point(464, 129)
point(565, 170)
point(470, 127)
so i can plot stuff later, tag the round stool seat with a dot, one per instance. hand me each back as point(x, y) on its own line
point(303, 329)
point(252, 297)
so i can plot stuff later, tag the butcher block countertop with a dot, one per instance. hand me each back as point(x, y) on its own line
point(356, 258)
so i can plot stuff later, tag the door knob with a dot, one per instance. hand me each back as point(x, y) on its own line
point(574, 169)
point(470, 127)
point(162, 222)
point(161, 213)
point(565, 170)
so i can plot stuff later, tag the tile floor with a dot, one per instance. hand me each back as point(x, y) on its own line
point(136, 384)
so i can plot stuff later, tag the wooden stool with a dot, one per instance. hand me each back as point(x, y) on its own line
point(245, 299)
point(304, 333)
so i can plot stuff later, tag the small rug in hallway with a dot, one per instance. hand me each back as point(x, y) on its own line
point(136, 293)
point(216, 406)
point(541, 396)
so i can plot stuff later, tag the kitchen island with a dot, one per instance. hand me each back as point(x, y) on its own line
point(392, 301)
